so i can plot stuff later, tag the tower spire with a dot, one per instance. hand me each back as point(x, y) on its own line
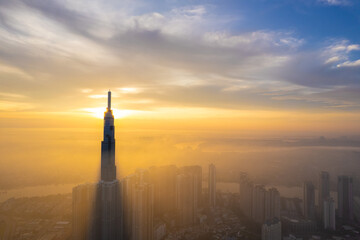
point(109, 100)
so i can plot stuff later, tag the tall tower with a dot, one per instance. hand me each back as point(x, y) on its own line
point(108, 168)
point(212, 185)
point(110, 193)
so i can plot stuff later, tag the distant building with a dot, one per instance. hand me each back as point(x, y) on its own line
point(164, 180)
point(309, 200)
point(83, 198)
point(258, 206)
point(246, 193)
point(143, 211)
point(274, 203)
point(357, 208)
point(196, 171)
point(271, 230)
point(186, 199)
point(128, 185)
point(212, 185)
point(345, 198)
point(329, 214)
point(324, 190)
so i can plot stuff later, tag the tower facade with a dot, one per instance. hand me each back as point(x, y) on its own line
point(109, 200)
point(108, 168)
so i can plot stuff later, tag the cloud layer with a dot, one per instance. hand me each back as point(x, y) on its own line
point(65, 54)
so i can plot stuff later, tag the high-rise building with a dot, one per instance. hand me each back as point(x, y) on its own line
point(83, 201)
point(110, 194)
point(106, 215)
point(164, 180)
point(246, 194)
point(212, 185)
point(258, 205)
point(271, 230)
point(196, 171)
point(345, 198)
point(329, 214)
point(324, 190)
point(309, 200)
point(143, 211)
point(128, 185)
point(186, 199)
point(274, 203)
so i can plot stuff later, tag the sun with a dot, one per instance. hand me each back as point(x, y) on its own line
point(99, 112)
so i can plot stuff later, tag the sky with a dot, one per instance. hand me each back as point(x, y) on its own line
point(232, 65)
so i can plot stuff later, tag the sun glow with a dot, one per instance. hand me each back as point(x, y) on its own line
point(99, 112)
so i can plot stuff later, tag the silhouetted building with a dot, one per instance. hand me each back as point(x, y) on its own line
point(324, 190)
point(274, 203)
point(309, 200)
point(186, 199)
point(164, 180)
point(196, 171)
point(258, 206)
point(271, 230)
point(83, 202)
point(143, 211)
point(110, 194)
point(212, 185)
point(329, 214)
point(345, 198)
point(246, 194)
point(128, 185)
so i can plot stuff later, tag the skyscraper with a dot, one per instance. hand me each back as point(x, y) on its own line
point(274, 203)
point(324, 190)
point(186, 199)
point(329, 214)
point(246, 194)
point(109, 208)
point(212, 185)
point(98, 207)
point(164, 180)
point(345, 198)
point(127, 187)
point(196, 171)
point(309, 200)
point(258, 205)
point(83, 201)
point(143, 210)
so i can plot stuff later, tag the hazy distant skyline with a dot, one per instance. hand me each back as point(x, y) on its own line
point(272, 65)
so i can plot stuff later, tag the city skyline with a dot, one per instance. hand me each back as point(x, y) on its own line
point(179, 120)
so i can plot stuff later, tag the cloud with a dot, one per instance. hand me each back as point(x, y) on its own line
point(74, 51)
point(350, 64)
point(335, 2)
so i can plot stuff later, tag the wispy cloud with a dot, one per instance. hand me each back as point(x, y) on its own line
point(335, 2)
